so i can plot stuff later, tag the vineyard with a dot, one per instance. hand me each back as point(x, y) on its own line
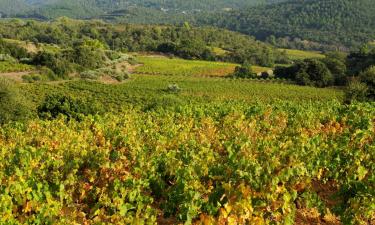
point(152, 91)
point(213, 163)
point(158, 65)
point(183, 123)
point(294, 54)
point(180, 143)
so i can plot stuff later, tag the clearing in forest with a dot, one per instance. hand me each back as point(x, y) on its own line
point(294, 54)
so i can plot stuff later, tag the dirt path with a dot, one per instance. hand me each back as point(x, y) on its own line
point(16, 76)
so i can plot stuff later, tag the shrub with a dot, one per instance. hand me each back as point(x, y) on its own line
point(368, 77)
point(338, 70)
point(356, 90)
point(31, 78)
point(173, 88)
point(244, 71)
point(120, 76)
point(13, 105)
point(311, 72)
point(7, 58)
point(55, 105)
point(91, 75)
point(56, 62)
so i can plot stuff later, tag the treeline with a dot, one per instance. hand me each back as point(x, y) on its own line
point(356, 71)
point(184, 41)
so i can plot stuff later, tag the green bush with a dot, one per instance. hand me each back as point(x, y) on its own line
point(368, 77)
point(55, 105)
point(244, 71)
point(90, 75)
point(310, 72)
point(356, 90)
point(173, 88)
point(120, 76)
point(31, 78)
point(13, 106)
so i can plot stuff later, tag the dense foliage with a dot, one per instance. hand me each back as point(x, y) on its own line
point(310, 72)
point(337, 23)
point(196, 164)
point(185, 41)
point(244, 71)
point(88, 8)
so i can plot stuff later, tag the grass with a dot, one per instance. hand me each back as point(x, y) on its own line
point(155, 65)
point(10, 67)
point(294, 54)
point(219, 51)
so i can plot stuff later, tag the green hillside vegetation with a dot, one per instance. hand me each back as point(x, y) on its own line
point(183, 41)
point(49, 9)
point(339, 23)
point(7, 67)
point(156, 124)
point(12, 7)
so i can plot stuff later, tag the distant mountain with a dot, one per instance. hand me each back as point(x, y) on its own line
point(71, 8)
point(12, 7)
point(334, 22)
point(90, 8)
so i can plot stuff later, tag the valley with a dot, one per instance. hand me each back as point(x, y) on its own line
point(187, 112)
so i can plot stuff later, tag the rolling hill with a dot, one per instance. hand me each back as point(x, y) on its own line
point(89, 8)
point(334, 22)
point(12, 7)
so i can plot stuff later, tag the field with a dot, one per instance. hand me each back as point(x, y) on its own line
point(158, 65)
point(145, 90)
point(294, 54)
point(209, 163)
point(178, 143)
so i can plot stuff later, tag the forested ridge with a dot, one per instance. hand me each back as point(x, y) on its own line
point(87, 8)
point(306, 24)
point(333, 22)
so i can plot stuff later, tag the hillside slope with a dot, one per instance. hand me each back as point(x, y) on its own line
point(89, 8)
point(335, 22)
point(12, 7)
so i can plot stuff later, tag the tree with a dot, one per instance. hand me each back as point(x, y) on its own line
point(320, 75)
point(368, 77)
point(56, 62)
point(338, 70)
point(89, 56)
point(356, 90)
point(310, 72)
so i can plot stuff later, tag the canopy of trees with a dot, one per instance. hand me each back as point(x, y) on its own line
point(338, 23)
point(185, 41)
